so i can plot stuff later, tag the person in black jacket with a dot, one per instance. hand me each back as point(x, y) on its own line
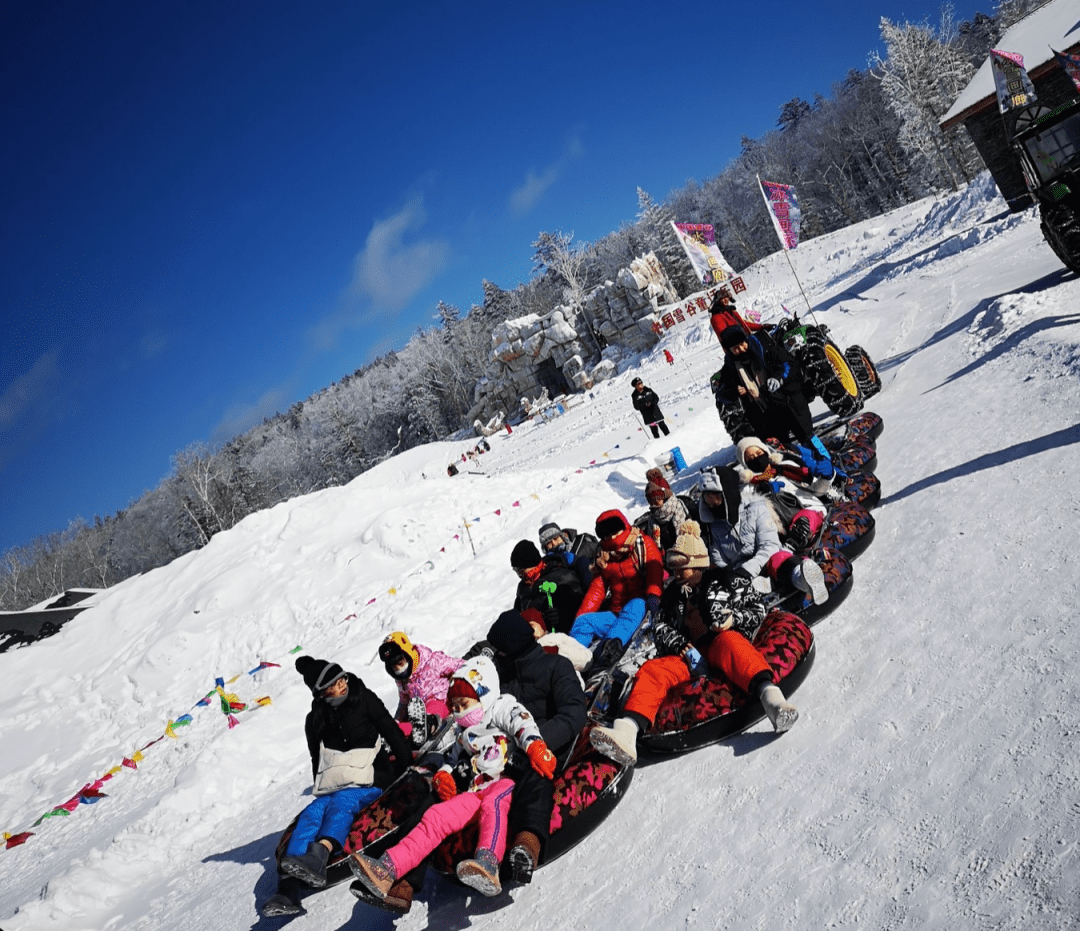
point(348, 731)
point(647, 404)
point(548, 687)
point(547, 584)
point(762, 378)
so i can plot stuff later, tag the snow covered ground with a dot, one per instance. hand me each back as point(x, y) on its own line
point(932, 781)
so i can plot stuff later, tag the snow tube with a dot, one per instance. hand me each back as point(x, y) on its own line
point(867, 426)
point(849, 528)
point(863, 488)
point(706, 710)
point(855, 456)
point(586, 792)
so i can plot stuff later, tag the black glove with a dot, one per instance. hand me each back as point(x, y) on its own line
point(669, 641)
point(773, 385)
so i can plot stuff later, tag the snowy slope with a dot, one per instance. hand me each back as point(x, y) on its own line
point(932, 780)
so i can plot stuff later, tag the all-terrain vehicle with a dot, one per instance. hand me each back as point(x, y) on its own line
point(1047, 140)
point(843, 380)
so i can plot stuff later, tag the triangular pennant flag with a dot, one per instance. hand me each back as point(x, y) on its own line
point(607, 455)
point(91, 796)
point(295, 650)
point(152, 742)
point(112, 772)
point(391, 591)
point(535, 495)
point(232, 722)
point(442, 549)
point(265, 700)
point(457, 536)
point(516, 504)
point(129, 763)
point(592, 462)
point(370, 602)
point(13, 840)
point(498, 513)
point(70, 805)
point(219, 682)
point(233, 679)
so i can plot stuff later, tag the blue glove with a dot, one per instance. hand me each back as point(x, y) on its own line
point(773, 384)
point(652, 605)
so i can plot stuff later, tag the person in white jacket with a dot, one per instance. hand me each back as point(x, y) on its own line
point(490, 728)
point(742, 534)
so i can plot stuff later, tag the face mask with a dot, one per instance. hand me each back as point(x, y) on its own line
point(471, 717)
point(337, 700)
point(757, 463)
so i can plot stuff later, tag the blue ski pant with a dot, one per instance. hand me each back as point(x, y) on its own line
point(329, 816)
point(597, 624)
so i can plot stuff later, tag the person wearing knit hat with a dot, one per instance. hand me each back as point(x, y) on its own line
point(421, 677)
point(547, 584)
point(689, 550)
point(723, 315)
point(706, 622)
point(578, 550)
point(666, 510)
point(348, 730)
point(498, 737)
point(548, 687)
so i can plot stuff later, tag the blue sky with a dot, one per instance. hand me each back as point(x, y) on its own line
point(212, 210)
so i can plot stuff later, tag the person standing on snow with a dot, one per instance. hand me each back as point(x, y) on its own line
point(345, 730)
point(647, 404)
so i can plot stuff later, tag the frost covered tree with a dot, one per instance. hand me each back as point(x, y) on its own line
point(923, 72)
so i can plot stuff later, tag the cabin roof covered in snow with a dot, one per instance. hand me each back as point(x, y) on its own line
point(1056, 24)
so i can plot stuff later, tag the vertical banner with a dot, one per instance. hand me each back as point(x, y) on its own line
point(1071, 64)
point(1014, 88)
point(699, 242)
point(783, 210)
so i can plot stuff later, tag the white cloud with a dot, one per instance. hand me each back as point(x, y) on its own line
point(34, 389)
point(391, 271)
point(524, 197)
point(242, 417)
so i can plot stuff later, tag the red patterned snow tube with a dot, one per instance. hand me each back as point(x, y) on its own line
point(705, 710)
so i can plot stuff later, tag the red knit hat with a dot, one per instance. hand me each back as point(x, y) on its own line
point(656, 485)
point(533, 615)
point(460, 688)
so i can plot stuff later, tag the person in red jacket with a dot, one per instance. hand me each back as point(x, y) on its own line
point(723, 315)
point(631, 570)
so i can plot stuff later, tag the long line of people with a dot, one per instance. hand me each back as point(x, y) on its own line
point(695, 566)
point(517, 700)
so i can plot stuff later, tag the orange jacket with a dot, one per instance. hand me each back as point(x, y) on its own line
point(638, 574)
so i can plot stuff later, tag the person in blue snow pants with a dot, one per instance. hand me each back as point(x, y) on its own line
point(350, 736)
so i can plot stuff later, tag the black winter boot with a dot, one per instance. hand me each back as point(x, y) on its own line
point(279, 905)
point(309, 867)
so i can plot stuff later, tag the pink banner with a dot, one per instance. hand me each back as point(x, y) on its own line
point(783, 211)
point(699, 242)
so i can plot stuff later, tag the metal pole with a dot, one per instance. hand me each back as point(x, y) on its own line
point(469, 535)
point(799, 283)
